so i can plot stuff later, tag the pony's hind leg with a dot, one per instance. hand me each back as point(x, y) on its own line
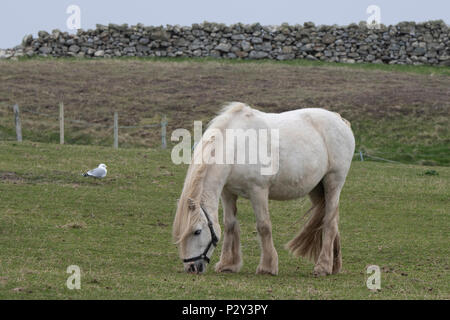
point(269, 257)
point(329, 260)
point(231, 256)
point(337, 256)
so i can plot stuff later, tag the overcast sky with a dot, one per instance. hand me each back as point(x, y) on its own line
point(20, 17)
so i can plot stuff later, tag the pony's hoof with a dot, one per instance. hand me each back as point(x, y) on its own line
point(320, 271)
point(271, 271)
point(227, 268)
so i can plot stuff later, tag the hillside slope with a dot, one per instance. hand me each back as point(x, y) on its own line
point(397, 112)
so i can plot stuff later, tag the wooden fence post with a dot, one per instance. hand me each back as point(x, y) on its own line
point(17, 122)
point(116, 130)
point(61, 123)
point(163, 132)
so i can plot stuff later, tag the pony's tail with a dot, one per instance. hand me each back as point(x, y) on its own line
point(308, 242)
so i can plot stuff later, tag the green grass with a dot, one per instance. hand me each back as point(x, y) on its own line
point(406, 139)
point(118, 231)
point(420, 69)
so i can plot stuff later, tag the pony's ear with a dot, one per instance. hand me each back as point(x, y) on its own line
point(191, 204)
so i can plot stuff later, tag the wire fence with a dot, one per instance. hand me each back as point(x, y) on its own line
point(62, 120)
point(362, 155)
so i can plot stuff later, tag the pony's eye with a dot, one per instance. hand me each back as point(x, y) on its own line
point(197, 232)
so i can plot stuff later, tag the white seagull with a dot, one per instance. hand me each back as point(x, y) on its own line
point(99, 172)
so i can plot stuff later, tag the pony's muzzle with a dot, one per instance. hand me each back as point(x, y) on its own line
point(196, 267)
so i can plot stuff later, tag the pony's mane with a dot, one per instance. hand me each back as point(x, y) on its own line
point(226, 113)
point(185, 218)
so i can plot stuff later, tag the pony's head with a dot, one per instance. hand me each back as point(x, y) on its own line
point(196, 235)
point(195, 230)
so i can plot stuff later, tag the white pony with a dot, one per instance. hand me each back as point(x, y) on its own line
point(315, 151)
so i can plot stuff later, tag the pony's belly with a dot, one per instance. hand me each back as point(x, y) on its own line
point(288, 190)
point(280, 188)
point(295, 180)
point(276, 193)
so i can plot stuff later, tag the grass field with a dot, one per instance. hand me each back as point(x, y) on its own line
point(400, 113)
point(118, 231)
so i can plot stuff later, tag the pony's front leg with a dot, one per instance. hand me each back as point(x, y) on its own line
point(269, 257)
point(231, 256)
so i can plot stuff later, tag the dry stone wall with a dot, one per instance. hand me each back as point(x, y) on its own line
point(404, 43)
